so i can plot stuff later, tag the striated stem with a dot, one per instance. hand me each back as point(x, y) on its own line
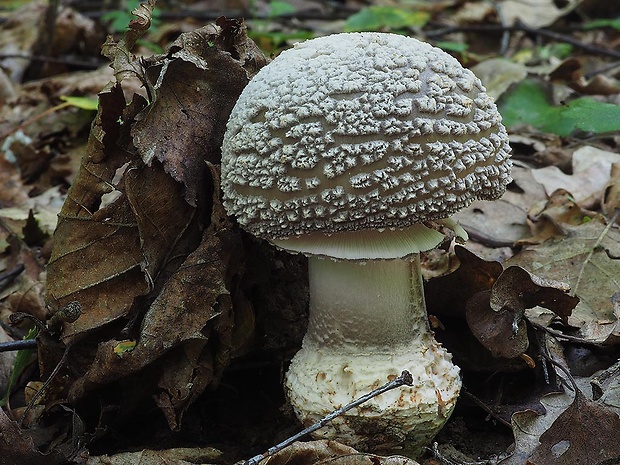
point(377, 303)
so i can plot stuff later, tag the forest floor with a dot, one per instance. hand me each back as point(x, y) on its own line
point(111, 221)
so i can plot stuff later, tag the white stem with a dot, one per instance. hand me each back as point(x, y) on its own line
point(378, 303)
point(367, 324)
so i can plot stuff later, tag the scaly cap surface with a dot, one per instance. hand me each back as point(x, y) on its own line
point(360, 131)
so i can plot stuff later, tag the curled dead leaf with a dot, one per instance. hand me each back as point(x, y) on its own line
point(548, 219)
point(194, 88)
point(452, 291)
point(497, 317)
point(571, 72)
point(503, 332)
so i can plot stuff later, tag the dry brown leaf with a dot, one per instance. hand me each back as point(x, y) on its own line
point(96, 258)
point(13, 192)
point(548, 219)
point(18, 449)
point(194, 305)
point(324, 452)
point(18, 34)
point(7, 89)
point(503, 222)
point(194, 89)
point(611, 195)
point(591, 171)
point(495, 224)
point(119, 53)
point(525, 191)
point(25, 292)
point(503, 333)
point(152, 260)
point(498, 75)
point(472, 12)
point(585, 433)
point(496, 317)
point(571, 72)
point(21, 34)
point(605, 384)
point(534, 14)
point(588, 259)
point(529, 425)
point(178, 456)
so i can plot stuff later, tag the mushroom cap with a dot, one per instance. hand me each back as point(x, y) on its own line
point(359, 132)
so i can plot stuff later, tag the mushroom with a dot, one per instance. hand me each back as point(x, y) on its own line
point(355, 149)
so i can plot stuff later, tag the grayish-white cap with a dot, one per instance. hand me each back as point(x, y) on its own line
point(350, 134)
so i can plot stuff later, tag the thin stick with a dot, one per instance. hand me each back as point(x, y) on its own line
point(520, 27)
point(21, 344)
point(405, 378)
point(7, 277)
point(40, 392)
point(486, 408)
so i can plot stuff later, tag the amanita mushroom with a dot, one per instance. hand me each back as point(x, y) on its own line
point(355, 149)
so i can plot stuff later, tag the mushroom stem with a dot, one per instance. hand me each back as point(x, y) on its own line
point(367, 324)
point(376, 303)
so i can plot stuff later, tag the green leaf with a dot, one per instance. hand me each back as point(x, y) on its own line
point(551, 51)
point(377, 18)
point(457, 47)
point(590, 115)
point(600, 23)
point(22, 360)
point(528, 104)
point(85, 103)
point(277, 8)
point(270, 41)
point(13, 5)
point(118, 20)
point(124, 346)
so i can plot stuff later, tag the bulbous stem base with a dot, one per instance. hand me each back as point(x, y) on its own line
point(367, 324)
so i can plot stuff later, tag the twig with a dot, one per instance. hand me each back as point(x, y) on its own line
point(22, 344)
point(485, 407)
point(40, 392)
point(520, 27)
point(560, 335)
point(49, 59)
point(9, 275)
point(405, 378)
point(34, 119)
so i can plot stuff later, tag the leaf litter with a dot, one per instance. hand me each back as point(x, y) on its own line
point(165, 238)
point(173, 294)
